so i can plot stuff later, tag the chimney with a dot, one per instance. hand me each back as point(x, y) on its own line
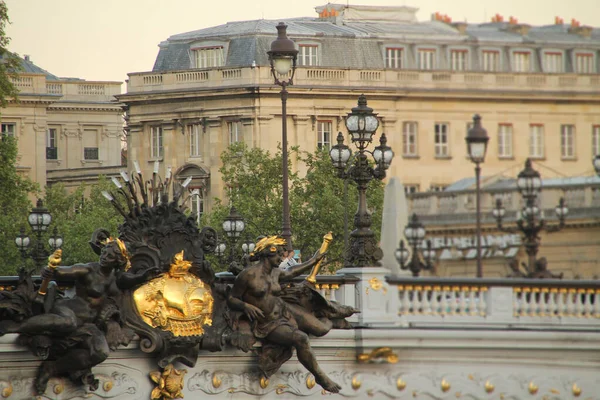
point(577, 29)
point(497, 18)
point(558, 21)
point(26, 56)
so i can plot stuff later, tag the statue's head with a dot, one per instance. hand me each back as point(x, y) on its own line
point(542, 264)
point(266, 247)
point(115, 254)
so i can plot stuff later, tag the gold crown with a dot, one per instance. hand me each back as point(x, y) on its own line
point(179, 267)
point(269, 241)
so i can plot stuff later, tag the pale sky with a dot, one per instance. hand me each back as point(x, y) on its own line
point(106, 39)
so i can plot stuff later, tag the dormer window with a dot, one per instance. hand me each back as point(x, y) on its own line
point(584, 63)
point(209, 57)
point(308, 54)
point(490, 60)
point(394, 57)
point(458, 60)
point(553, 62)
point(522, 61)
point(426, 58)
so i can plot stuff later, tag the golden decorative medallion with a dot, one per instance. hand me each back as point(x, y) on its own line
point(380, 354)
point(169, 383)
point(576, 390)
point(264, 382)
point(489, 387)
point(356, 383)
point(400, 384)
point(310, 381)
point(178, 302)
point(445, 385)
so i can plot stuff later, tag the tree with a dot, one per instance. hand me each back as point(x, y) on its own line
point(14, 203)
point(77, 216)
point(317, 202)
point(10, 63)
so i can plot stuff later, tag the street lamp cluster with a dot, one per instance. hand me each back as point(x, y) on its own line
point(39, 219)
point(530, 219)
point(362, 124)
point(415, 234)
point(233, 226)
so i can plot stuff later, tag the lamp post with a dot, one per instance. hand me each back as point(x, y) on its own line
point(477, 140)
point(39, 219)
point(362, 124)
point(233, 226)
point(282, 57)
point(530, 219)
point(415, 233)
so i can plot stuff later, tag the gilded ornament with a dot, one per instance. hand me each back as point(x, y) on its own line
point(400, 384)
point(375, 284)
point(178, 302)
point(312, 277)
point(58, 389)
point(576, 390)
point(108, 385)
point(264, 382)
point(310, 381)
point(7, 391)
point(445, 385)
point(489, 387)
point(169, 383)
point(380, 354)
point(280, 389)
point(533, 388)
point(356, 383)
point(216, 381)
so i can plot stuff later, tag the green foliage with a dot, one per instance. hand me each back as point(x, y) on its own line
point(14, 203)
point(9, 62)
point(317, 202)
point(77, 215)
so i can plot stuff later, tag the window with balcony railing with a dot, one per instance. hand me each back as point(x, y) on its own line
point(90, 153)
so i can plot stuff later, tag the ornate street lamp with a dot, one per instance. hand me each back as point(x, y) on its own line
point(248, 246)
point(282, 57)
point(362, 124)
point(415, 233)
point(530, 219)
point(39, 219)
point(233, 226)
point(477, 140)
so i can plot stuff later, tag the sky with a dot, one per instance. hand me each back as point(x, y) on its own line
point(104, 40)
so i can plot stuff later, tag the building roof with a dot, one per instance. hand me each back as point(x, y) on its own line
point(30, 68)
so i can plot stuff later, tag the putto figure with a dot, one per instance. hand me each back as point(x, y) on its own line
point(264, 314)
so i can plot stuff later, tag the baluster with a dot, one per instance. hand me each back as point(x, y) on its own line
point(579, 302)
point(332, 293)
point(444, 309)
point(536, 307)
point(482, 301)
point(417, 300)
point(570, 303)
point(588, 307)
point(562, 293)
point(435, 303)
point(454, 300)
point(406, 306)
point(526, 302)
point(473, 301)
point(597, 304)
point(462, 303)
point(425, 300)
point(517, 301)
point(552, 308)
point(323, 290)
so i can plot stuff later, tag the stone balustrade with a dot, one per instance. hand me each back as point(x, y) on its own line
point(36, 84)
point(388, 78)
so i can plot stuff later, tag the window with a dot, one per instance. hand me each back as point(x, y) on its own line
point(8, 129)
point(426, 59)
point(409, 139)
point(90, 144)
point(410, 189)
point(536, 140)
point(208, 57)
point(441, 140)
point(458, 60)
point(553, 62)
point(235, 132)
point(308, 55)
point(197, 204)
point(437, 188)
point(567, 141)
point(584, 63)
point(194, 138)
point(393, 58)
point(156, 142)
point(505, 134)
point(324, 132)
point(491, 60)
point(596, 140)
point(51, 144)
point(521, 61)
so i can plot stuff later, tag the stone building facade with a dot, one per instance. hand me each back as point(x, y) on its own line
point(68, 130)
point(536, 88)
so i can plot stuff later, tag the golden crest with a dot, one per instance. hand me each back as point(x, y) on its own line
point(169, 383)
point(178, 301)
